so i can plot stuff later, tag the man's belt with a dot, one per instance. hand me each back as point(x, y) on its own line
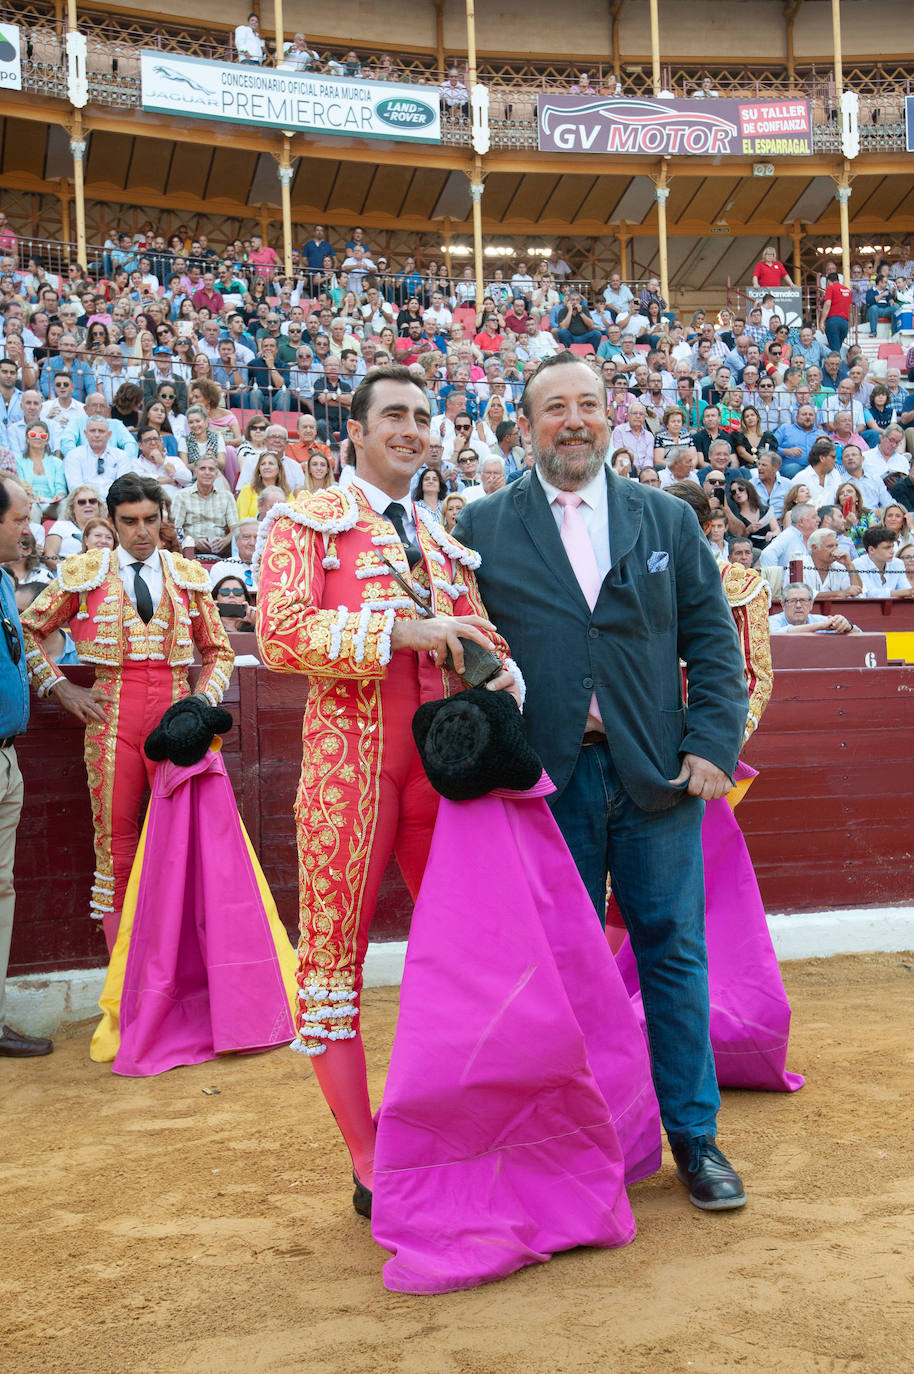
point(593, 737)
point(8, 742)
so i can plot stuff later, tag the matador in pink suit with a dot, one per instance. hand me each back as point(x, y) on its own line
point(331, 607)
point(135, 613)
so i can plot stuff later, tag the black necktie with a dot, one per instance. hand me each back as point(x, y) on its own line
point(394, 513)
point(141, 592)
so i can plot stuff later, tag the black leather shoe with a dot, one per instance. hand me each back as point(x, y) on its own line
point(16, 1046)
point(361, 1198)
point(713, 1183)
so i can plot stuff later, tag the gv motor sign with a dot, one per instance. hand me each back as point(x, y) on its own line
point(674, 128)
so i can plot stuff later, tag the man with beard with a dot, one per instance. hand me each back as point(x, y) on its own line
point(600, 586)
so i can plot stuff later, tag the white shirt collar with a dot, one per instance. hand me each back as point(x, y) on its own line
point(593, 495)
point(379, 500)
point(126, 560)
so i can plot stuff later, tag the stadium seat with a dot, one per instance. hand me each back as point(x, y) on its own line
point(288, 418)
point(544, 323)
point(890, 350)
point(643, 348)
point(242, 416)
point(465, 315)
point(582, 350)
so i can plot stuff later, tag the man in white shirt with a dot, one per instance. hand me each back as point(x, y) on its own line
point(681, 462)
point(249, 45)
point(358, 265)
point(457, 432)
point(63, 408)
point(820, 474)
point(881, 573)
point(522, 280)
point(437, 316)
point(843, 399)
point(889, 455)
point(827, 570)
point(536, 343)
point(97, 462)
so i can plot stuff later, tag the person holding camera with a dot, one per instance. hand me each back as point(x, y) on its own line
point(234, 602)
point(576, 325)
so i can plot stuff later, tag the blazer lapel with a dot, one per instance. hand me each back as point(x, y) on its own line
point(539, 522)
point(624, 519)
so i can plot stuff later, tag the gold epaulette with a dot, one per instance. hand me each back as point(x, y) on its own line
point(83, 572)
point(742, 585)
point(328, 511)
point(186, 573)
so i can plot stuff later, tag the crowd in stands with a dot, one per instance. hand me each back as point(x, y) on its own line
point(230, 383)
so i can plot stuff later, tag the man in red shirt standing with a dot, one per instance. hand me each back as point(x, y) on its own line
point(208, 295)
point(834, 317)
point(263, 257)
point(770, 272)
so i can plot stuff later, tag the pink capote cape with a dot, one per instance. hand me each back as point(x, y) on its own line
point(205, 962)
point(519, 1099)
point(750, 1014)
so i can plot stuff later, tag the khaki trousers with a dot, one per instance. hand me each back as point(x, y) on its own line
point(10, 808)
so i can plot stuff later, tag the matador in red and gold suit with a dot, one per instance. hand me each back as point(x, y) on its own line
point(140, 669)
point(327, 607)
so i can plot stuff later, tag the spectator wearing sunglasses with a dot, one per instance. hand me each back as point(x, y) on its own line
point(160, 373)
point(14, 717)
point(97, 461)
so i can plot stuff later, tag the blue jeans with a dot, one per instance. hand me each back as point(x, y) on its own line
point(565, 336)
point(875, 313)
point(836, 332)
point(655, 861)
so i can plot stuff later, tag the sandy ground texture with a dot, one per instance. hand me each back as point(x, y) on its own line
point(149, 1225)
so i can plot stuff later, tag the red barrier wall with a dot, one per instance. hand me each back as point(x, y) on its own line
point(828, 822)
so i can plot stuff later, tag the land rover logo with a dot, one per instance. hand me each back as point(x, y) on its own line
point(405, 114)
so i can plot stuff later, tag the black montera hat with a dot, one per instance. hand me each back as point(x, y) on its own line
point(186, 731)
point(474, 742)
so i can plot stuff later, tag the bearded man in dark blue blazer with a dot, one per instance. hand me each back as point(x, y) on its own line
point(599, 603)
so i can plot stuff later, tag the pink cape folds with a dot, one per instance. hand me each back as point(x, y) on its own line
point(750, 1014)
point(202, 965)
point(519, 1100)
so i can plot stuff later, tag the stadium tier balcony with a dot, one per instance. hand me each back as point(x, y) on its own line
point(115, 43)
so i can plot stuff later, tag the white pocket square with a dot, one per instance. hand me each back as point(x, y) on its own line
point(658, 561)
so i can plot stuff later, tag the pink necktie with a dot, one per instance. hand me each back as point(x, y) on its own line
point(583, 562)
point(578, 547)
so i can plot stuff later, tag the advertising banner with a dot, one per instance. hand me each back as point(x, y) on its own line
point(788, 303)
point(909, 121)
point(673, 128)
point(10, 62)
point(302, 103)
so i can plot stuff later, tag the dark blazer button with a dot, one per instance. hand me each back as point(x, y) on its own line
point(593, 634)
point(587, 682)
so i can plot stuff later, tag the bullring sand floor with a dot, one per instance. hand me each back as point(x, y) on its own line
point(151, 1226)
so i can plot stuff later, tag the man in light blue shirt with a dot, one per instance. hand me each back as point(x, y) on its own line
point(796, 618)
point(67, 361)
point(97, 407)
point(14, 717)
point(792, 542)
point(619, 299)
point(769, 483)
point(797, 437)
